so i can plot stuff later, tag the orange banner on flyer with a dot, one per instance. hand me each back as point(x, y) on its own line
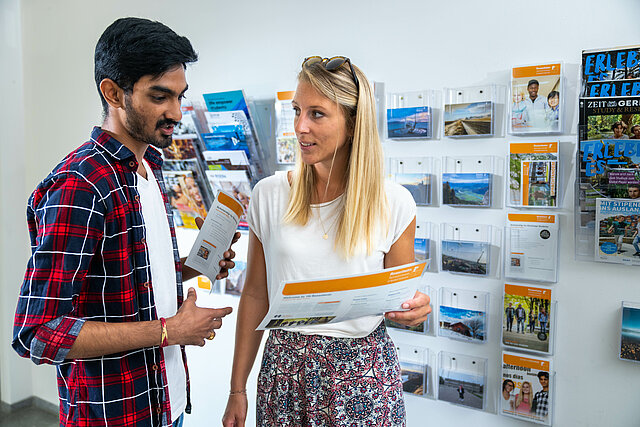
point(536, 70)
point(546, 219)
point(285, 96)
point(383, 278)
point(535, 147)
point(231, 203)
point(526, 362)
point(527, 291)
point(204, 283)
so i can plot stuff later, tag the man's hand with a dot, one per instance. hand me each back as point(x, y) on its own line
point(419, 309)
point(192, 324)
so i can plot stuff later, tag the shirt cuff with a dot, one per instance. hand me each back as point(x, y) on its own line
point(54, 339)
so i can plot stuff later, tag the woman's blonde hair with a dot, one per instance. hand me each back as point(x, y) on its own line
point(364, 207)
point(520, 396)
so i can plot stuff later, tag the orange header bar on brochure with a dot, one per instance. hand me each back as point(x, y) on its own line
point(535, 147)
point(382, 278)
point(286, 95)
point(536, 70)
point(526, 362)
point(231, 203)
point(547, 219)
point(527, 291)
point(204, 283)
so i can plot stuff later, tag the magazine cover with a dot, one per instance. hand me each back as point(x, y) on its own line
point(469, 119)
point(617, 230)
point(286, 141)
point(608, 169)
point(418, 184)
point(414, 378)
point(526, 388)
point(526, 320)
point(611, 72)
point(461, 380)
point(461, 323)
point(533, 174)
point(410, 122)
point(226, 160)
point(185, 197)
point(460, 256)
point(466, 189)
point(630, 332)
point(536, 92)
point(531, 247)
point(614, 118)
point(234, 182)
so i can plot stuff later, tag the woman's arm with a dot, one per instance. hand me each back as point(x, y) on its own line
point(400, 253)
point(254, 304)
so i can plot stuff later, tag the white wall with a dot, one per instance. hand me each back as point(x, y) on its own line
point(409, 45)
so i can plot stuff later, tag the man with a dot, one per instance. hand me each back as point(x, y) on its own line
point(520, 316)
point(618, 228)
point(636, 236)
point(635, 132)
point(619, 130)
point(541, 398)
point(509, 312)
point(543, 318)
point(536, 106)
point(104, 271)
point(633, 191)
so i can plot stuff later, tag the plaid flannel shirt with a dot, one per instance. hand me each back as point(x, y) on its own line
point(90, 261)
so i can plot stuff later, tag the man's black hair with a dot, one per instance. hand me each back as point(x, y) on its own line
point(543, 374)
point(532, 82)
point(619, 123)
point(634, 185)
point(134, 47)
point(553, 93)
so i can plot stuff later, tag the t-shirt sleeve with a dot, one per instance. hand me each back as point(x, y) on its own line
point(402, 209)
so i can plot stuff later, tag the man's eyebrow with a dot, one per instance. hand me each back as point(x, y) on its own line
point(166, 90)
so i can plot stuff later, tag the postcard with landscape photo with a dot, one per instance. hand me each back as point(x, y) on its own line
point(465, 257)
point(418, 184)
point(466, 189)
point(470, 119)
point(459, 323)
point(630, 334)
point(413, 377)
point(421, 248)
point(461, 388)
point(411, 122)
point(421, 328)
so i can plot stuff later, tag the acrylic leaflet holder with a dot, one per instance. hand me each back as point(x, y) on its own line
point(472, 249)
point(424, 328)
point(462, 315)
point(470, 111)
point(286, 140)
point(528, 318)
point(534, 174)
point(470, 181)
point(416, 370)
point(410, 115)
point(630, 332)
point(462, 380)
point(424, 244)
point(531, 247)
point(416, 175)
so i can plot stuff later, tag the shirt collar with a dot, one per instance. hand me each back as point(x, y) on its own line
point(120, 152)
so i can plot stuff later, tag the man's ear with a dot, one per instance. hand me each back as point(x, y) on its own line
point(113, 94)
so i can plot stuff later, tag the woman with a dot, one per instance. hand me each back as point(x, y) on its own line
point(333, 215)
point(524, 398)
point(507, 389)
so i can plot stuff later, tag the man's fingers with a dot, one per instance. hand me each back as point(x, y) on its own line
point(236, 237)
point(220, 312)
point(199, 222)
point(191, 295)
point(229, 255)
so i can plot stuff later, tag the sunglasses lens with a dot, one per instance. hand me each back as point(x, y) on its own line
point(311, 60)
point(335, 63)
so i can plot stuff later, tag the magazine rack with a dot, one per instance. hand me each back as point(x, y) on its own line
point(545, 113)
point(410, 115)
point(516, 370)
point(462, 380)
point(416, 174)
point(534, 175)
point(416, 370)
point(472, 249)
point(471, 181)
point(531, 247)
point(463, 315)
point(472, 112)
point(536, 332)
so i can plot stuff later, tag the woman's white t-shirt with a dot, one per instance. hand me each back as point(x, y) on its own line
point(294, 252)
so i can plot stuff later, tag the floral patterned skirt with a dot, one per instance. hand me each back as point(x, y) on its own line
point(315, 380)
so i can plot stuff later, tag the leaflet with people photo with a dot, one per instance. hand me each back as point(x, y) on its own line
point(617, 231)
point(536, 99)
point(336, 299)
point(215, 236)
point(527, 318)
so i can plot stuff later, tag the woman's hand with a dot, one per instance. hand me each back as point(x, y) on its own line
point(236, 412)
point(419, 309)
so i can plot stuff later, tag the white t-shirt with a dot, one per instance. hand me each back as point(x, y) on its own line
point(294, 252)
point(163, 273)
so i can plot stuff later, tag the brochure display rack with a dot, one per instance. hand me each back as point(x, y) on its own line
point(462, 315)
point(468, 181)
point(470, 112)
point(410, 115)
point(286, 140)
point(416, 175)
point(471, 249)
point(533, 175)
point(528, 318)
point(424, 244)
point(415, 370)
point(462, 380)
point(425, 328)
point(630, 332)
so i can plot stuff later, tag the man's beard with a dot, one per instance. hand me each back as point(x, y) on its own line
point(135, 125)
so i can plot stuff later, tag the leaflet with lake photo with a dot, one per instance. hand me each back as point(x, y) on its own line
point(332, 300)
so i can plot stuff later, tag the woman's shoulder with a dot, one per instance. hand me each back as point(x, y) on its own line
point(275, 182)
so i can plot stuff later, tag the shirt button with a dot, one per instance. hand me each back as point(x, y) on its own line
point(154, 367)
point(159, 410)
point(132, 164)
point(136, 198)
point(145, 284)
point(143, 241)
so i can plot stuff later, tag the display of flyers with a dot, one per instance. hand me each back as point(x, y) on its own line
point(527, 388)
point(527, 316)
point(421, 248)
point(185, 197)
point(186, 125)
point(418, 184)
point(630, 332)
point(531, 247)
point(421, 328)
point(469, 119)
point(536, 93)
point(466, 189)
point(410, 122)
point(611, 72)
point(414, 377)
point(182, 147)
point(533, 174)
point(460, 256)
point(462, 323)
point(286, 140)
point(617, 231)
point(461, 380)
point(234, 182)
point(226, 160)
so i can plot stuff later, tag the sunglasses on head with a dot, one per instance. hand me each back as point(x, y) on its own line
point(332, 64)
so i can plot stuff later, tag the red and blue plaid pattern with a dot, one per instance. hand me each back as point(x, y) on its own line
point(90, 261)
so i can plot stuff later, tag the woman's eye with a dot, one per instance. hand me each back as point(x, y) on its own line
point(317, 114)
point(296, 111)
